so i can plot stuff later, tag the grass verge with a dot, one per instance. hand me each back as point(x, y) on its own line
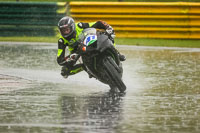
point(120, 41)
point(30, 39)
point(160, 42)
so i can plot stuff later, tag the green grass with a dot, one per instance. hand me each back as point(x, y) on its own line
point(160, 42)
point(30, 39)
point(119, 41)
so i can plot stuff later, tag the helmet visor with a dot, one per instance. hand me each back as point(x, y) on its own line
point(66, 30)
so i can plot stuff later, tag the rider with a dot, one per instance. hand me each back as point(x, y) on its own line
point(70, 31)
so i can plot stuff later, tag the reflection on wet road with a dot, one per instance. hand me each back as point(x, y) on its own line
point(163, 93)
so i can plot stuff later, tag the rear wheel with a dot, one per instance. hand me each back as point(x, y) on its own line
point(114, 73)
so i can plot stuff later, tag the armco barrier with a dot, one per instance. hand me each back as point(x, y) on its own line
point(180, 20)
point(30, 18)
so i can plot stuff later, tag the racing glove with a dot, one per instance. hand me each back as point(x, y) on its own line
point(71, 57)
point(70, 61)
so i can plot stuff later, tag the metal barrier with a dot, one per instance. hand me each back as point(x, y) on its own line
point(30, 18)
point(179, 20)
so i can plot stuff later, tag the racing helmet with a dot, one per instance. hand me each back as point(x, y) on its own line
point(66, 26)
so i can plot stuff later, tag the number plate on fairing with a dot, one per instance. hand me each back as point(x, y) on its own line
point(90, 39)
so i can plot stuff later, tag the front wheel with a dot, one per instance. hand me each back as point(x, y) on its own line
point(114, 73)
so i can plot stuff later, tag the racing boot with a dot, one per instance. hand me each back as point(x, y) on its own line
point(67, 71)
point(121, 57)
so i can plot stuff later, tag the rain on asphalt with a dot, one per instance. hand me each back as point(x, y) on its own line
point(163, 92)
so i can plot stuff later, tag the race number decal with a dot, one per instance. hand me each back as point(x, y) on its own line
point(90, 39)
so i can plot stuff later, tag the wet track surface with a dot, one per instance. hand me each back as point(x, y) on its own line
point(163, 93)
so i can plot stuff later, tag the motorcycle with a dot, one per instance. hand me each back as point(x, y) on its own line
point(100, 58)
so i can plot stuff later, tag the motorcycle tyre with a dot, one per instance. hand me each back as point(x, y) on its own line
point(114, 74)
